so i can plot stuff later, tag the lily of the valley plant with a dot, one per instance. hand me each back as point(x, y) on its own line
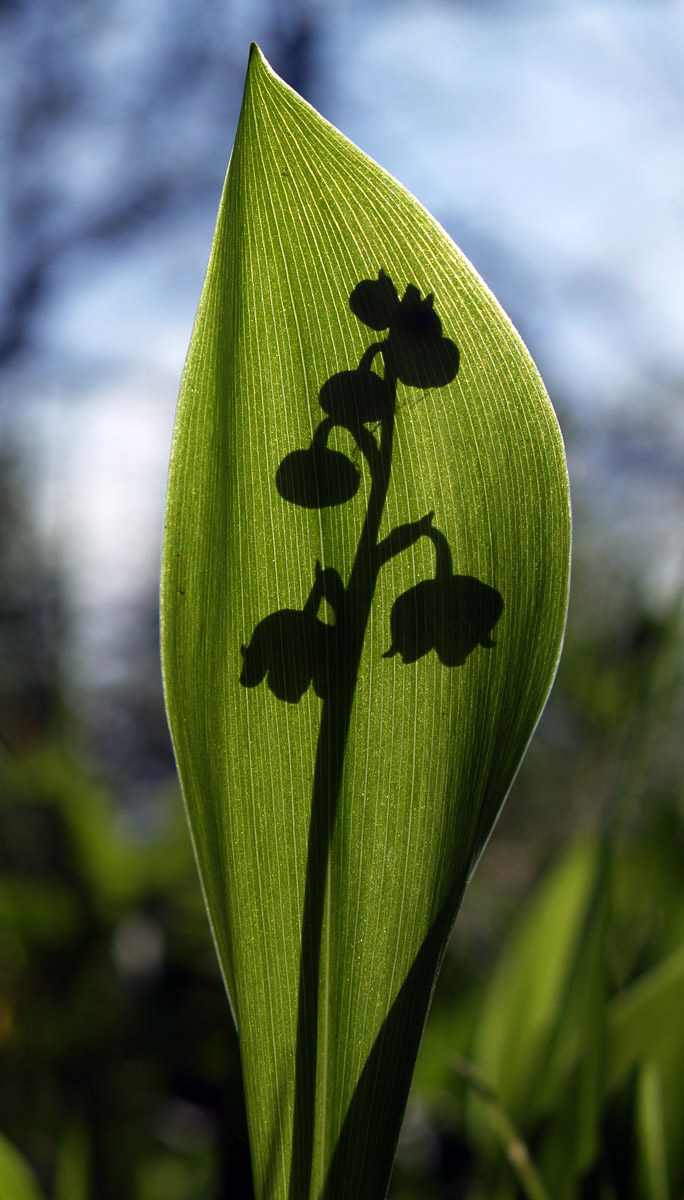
point(365, 581)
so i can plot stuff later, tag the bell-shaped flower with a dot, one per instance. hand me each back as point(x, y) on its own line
point(451, 617)
point(450, 614)
point(292, 648)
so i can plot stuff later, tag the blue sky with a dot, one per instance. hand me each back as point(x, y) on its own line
point(545, 136)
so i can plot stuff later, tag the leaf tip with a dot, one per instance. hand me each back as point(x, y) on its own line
point(257, 60)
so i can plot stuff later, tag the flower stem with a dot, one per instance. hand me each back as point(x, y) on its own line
point(514, 1147)
point(332, 739)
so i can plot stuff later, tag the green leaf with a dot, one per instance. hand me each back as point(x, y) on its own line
point(72, 1165)
point(517, 1153)
point(650, 1123)
point(17, 1181)
point(365, 578)
point(644, 1018)
point(645, 1027)
point(540, 1038)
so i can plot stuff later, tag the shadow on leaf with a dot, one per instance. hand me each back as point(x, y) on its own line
point(292, 649)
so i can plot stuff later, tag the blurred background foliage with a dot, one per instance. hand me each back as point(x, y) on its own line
point(553, 1061)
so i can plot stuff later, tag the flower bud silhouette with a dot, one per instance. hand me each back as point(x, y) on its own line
point(375, 301)
point(353, 397)
point(415, 352)
point(317, 477)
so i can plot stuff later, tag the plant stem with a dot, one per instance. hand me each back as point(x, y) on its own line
point(332, 739)
point(514, 1147)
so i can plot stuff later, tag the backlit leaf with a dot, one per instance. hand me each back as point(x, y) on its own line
point(17, 1181)
point(365, 580)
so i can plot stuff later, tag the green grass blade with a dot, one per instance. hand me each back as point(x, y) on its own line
point(517, 1153)
point(73, 1164)
point(17, 1181)
point(365, 580)
point(645, 1026)
point(515, 1037)
point(541, 1035)
point(645, 1018)
point(653, 1158)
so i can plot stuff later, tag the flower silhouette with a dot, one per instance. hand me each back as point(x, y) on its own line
point(353, 397)
point(375, 301)
point(450, 616)
point(292, 648)
point(415, 351)
point(317, 477)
